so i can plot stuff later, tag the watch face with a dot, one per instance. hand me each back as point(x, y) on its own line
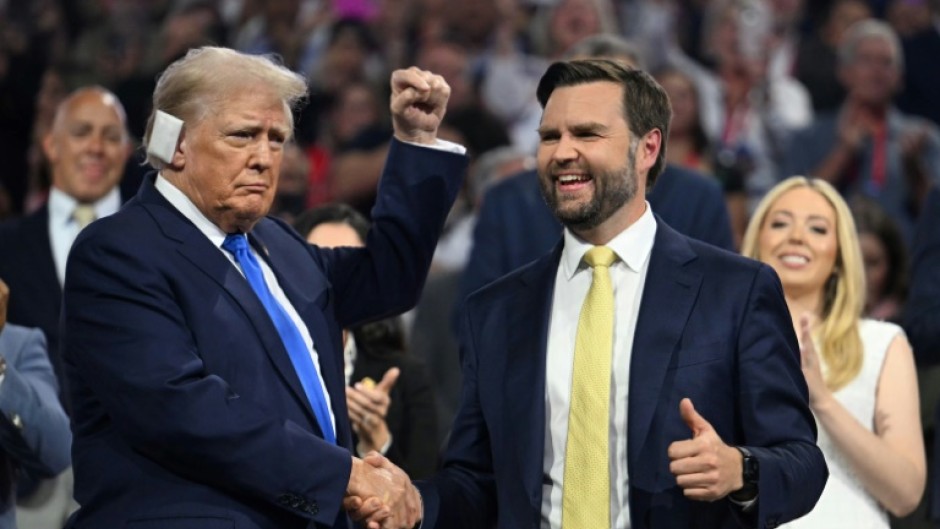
point(751, 470)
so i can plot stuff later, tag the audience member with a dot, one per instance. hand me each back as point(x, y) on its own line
point(396, 416)
point(689, 146)
point(748, 111)
point(87, 147)
point(884, 255)
point(32, 37)
point(869, 147)
point(860, 372)
point(908, 17)
point(34, 430)
point(281, 27)
point(817, 56)
point(510, 75)
point(919, 94)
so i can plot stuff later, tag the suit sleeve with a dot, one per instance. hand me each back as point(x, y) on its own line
point(415, 195)
point(41, 442)
point(463, 493)
point(776, 422)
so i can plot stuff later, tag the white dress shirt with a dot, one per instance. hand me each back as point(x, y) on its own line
point(62, 227)
point(628, 276)
point(215, 234)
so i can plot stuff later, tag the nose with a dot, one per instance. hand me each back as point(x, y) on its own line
point(565, 150)
point(263, 156)
point(95, 143)
point(796, 234)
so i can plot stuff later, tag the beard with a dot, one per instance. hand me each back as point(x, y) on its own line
point(612, 189)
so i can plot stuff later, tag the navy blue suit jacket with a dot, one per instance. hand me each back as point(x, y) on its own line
point(27, 266)
point(712, 326)
point(187, 410)
point(515, 226)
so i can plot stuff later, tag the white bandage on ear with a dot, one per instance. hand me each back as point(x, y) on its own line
point(164, 136)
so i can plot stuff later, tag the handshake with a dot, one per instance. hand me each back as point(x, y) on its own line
point(381, 494)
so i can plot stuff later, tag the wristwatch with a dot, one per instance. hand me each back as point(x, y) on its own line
point(750, 474)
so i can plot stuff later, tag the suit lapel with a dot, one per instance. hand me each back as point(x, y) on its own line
point(529, 314)
point(197, 249)
point(671, 287)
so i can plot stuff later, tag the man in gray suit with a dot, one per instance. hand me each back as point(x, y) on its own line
point(34, 430)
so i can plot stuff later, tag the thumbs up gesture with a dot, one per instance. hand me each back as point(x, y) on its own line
point(368, 404)
point(705, 467)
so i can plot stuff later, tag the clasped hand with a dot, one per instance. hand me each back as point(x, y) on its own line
point(381, 494)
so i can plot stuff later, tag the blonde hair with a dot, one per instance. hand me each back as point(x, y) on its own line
point(196, 85)
point(840, 345)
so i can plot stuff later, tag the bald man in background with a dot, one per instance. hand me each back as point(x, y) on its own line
point(87, 149)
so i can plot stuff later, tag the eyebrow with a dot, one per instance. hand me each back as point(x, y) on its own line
point(811, 217)
point(590, 126)
point(577, 128)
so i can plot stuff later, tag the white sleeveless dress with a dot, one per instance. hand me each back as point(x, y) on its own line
point(844, 502)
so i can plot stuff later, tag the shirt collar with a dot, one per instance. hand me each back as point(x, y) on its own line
point(62, 205)
point(181, 202)
point(633, 245)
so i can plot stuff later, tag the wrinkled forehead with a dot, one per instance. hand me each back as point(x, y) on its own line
point(247, 103)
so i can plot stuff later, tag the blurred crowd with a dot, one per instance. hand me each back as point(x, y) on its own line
point(843, 90)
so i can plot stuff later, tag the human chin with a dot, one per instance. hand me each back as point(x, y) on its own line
point(579, 215)
point(248, 209)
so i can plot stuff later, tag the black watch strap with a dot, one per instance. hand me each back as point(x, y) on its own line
point(750, 474)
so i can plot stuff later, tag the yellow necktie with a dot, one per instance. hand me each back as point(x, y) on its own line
point(84, 215)
point(586, 487)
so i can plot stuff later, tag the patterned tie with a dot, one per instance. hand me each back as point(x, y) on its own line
point(586, 488)
point(237, 245)
point(83, 215)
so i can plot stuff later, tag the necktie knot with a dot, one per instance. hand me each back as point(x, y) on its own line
point(83, 215)
point(600, 256)
point(235, 243)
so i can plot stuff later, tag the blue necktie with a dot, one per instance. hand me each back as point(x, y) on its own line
point(237, 245)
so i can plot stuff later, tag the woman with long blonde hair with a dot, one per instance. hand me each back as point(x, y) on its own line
point(860, 372)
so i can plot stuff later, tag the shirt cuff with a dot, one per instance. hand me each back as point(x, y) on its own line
point(441, 145)
point(745, 506)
